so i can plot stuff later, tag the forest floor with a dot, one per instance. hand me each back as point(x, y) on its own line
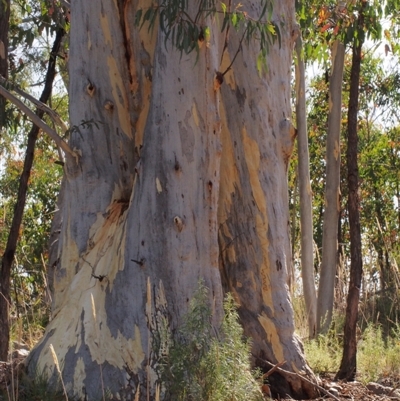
point(387, 389)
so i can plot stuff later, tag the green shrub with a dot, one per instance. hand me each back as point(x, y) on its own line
point(323, 354)
point(371, 355)
point(201, 365)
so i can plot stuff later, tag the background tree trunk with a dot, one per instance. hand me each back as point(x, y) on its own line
point(306, 219)
point(348, 366)
point(332, 190)
point(9, 252)
point(179, 181)
point(4, 27)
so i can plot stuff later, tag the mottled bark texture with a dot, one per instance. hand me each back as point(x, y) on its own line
point(12, 239)
point(183, 180)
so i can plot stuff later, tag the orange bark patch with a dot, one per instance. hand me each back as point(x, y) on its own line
point(252, 155)
point(273, 337)
point(106, 30)
point(119, 96)
point(229, 174)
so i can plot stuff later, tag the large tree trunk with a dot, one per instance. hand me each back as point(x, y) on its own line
point(332, 190)
point(181, 179)
point(348, 366)
point(306, 219)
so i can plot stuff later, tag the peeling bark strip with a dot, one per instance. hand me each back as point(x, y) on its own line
point(188, 183)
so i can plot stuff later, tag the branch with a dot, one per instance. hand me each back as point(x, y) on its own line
point(40, 105)
point(274, 369)
point(39, 123)
point(66, 4)
point(286, 372)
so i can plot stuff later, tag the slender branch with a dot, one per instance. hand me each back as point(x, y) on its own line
point(39, 122)
point(274, 369)
point(66, 4)
point(237, 52)
point(40, 105)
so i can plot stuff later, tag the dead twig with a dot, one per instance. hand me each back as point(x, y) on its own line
point(274, 369)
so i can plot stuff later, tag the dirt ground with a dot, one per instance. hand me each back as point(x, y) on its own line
point(388, 389)
point(385, 390)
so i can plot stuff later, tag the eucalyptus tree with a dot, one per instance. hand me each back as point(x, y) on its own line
point(332, 191)
point(306, 218)
point(178, 172)
point(348, 365)
point(325, 39)
point(368, 22)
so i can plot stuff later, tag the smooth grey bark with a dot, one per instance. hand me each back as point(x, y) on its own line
point(306, 219)
point(332, 191)
point(183, 180)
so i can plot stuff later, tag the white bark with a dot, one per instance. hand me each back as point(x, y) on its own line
point(306, 219)
point(332, 191)
point(179, 179)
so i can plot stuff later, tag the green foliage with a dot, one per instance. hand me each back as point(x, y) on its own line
point(28, 286)
point(198, 366)
point(323, 22)
point(377, 356)
point(185, 26)
point(32, 25)
point(371, 356)
point(379, 147)
point(324, 353)
point(393, 353)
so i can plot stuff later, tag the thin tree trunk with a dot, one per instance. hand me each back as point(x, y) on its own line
point(306, 219)
point(293, 227)
point(340, 282)
point(348, 366)
point(4, 26)
point(9, 252)
point(380, 243)
point(332, 190)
